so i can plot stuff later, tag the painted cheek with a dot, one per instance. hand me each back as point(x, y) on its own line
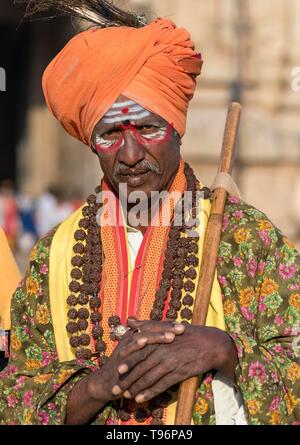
point(161, 136)
point(114, 146)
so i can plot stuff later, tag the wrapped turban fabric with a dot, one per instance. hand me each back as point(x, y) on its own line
point(155, 66)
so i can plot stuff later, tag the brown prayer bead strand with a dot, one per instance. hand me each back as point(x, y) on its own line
point(179, 267)
point(73, 328)
point(88, 222)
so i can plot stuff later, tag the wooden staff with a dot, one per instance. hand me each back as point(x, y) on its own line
point(187, 392)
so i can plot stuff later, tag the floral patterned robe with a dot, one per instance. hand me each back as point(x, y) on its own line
point(259, 274)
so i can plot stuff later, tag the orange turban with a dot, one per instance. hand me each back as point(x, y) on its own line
point(155, 66)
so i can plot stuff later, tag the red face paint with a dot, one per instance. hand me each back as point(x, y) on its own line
point(163, 135)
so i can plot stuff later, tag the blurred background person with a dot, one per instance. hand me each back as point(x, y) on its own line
point(9, 218)
point(28, 229)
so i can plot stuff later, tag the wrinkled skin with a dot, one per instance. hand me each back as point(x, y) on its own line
point(162, 354)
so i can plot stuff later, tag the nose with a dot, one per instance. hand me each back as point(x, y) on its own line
point(132, 151)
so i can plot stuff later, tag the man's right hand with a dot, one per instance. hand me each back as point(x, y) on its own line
point(104, 384)
point(90, 395)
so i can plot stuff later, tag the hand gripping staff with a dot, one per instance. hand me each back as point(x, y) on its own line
point(187, 392)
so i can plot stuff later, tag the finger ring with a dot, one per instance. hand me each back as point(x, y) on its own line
point(119, 331)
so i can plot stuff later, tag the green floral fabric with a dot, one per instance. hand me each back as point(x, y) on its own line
point(259, 274)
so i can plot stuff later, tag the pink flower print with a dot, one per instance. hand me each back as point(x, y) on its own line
point(261, 267)
point(288, 331)
point(261, 306)
point(26, 330)
point(51, 406)
point(27, 398)
point(295, 287)
point(44, 269)
point(296, 423)
point(46, 358)
point(247, 314)
point(237, 261)
point(279, 320)
point(252, 267)
point(278, 349)
point(43, 418)
point(225, 222)
point(287, 272)
point(222, 280)
point(275, 403)
point(209, 395)
point(277, 254)
point(258, 370)
point(208, 380)
point(11, 369)
point(233, 199)
point(274, 376)
point(264, 236)
point(12, 401)
point(238, 214)
point(20, 382)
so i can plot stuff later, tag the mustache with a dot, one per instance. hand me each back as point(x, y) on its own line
point(141, 167)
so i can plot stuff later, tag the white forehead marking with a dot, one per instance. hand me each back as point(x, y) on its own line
point(115, 114)
point(126, 117)
point(123, 104)
point(132, 109)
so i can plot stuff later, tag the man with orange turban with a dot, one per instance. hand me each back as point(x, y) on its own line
point(101, 324)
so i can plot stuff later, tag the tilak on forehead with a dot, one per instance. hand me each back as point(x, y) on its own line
point(124, 111)
point(154, 66)
point(121, 117)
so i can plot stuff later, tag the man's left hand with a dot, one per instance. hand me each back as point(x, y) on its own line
point(197, 350)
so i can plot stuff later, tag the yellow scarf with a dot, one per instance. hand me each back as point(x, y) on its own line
point(59, 276)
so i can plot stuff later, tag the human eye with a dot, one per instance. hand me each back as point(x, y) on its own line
point(146, 128)
point(107, 140)
point(113, 134)
point(152, 131)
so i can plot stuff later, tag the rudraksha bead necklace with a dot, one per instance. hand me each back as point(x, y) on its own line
point(178, 281)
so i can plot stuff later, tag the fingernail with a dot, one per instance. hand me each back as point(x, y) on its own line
point(116, 390)
point(127, 395)
point(140, 398)
point(179, 328)
point(169, 336)
point(123, 369)
point(142, 341)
